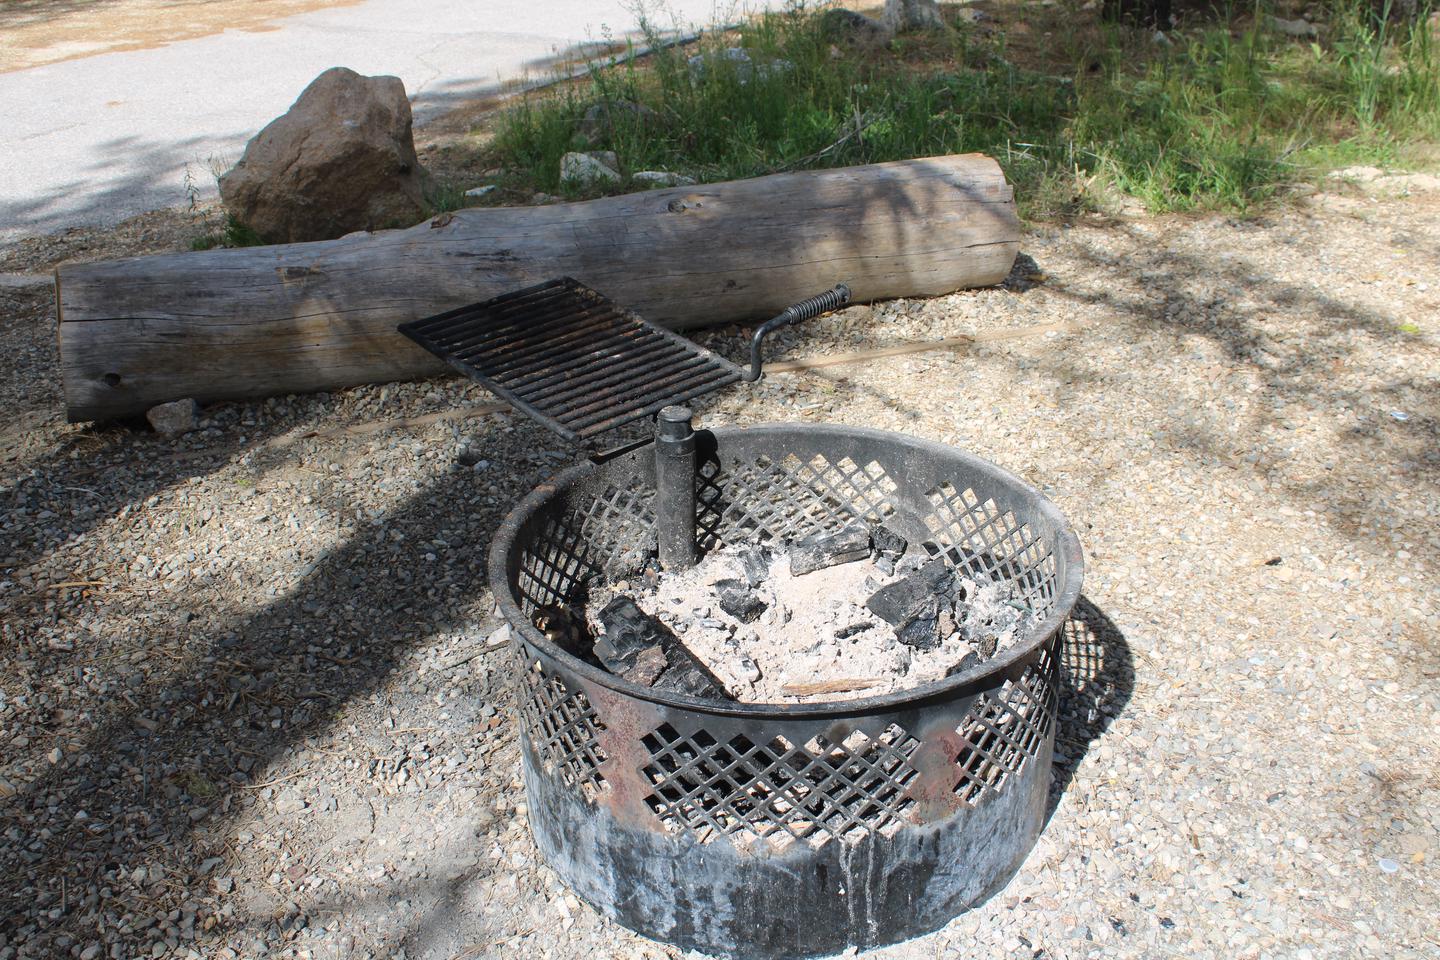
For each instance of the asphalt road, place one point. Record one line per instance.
(98, 139)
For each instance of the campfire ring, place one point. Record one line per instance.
(787, 830)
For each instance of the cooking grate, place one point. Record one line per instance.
(567, 356)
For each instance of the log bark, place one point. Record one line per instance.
(260, 321)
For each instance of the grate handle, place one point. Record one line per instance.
(832, 299)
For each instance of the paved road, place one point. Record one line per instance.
(99, 139)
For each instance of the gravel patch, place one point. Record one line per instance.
(252, 701)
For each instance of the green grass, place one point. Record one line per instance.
(1222, 117)
(230, 233)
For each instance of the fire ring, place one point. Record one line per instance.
(779, 830)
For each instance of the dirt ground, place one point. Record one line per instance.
(250, 705)
(36, 32)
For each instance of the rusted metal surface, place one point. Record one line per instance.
(565, 355)
(789, 830)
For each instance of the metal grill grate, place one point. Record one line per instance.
(565, 355)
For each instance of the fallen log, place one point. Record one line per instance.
(295, 318)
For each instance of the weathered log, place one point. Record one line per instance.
(232, 324)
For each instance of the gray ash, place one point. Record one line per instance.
(868, 615)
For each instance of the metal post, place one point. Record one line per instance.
(675, 488)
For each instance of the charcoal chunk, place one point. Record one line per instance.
(922, 633)
(627, 649)
(755, 562)
(821, 550)
(904, 600)
(739, 600)
(886, 548)
(915, 604)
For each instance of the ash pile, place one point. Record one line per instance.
(850, 614)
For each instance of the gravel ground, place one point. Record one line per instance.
(250, 705)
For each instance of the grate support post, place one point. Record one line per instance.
(675, 488)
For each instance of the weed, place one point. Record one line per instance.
(1221, 117)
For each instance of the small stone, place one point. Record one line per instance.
(476, 192)
(91, 952)
(747, 670)
(224, 885)
(55, 755)
(1302, 29)
(589, 168)
(1389, 866)
(174, 419)
(7, 789)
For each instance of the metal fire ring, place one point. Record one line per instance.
(787, 830)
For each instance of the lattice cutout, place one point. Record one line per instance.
(619, 527)
(1004, 731)
(609, 535)
(563, 728)
(777, 791)
(987, 542)
(766, 500)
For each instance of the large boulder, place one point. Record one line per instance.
(341, 159)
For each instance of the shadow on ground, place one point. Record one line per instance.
(1097, 678)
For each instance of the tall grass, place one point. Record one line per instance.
(1221, 116)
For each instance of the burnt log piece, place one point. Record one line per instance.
(302, 317)
(821, 550)
(639, 648)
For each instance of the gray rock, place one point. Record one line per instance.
(174, 419)
(589, 168)
(662, 178)
(1301, 29)
(903, 15)
(341, 159)
(480, 191)
(746, 69)
(855, 29)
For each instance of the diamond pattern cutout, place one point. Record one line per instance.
(563, 728)
(1004, 731)
(987, 542)
(779, 791)
(609, 535)
(769, 500)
